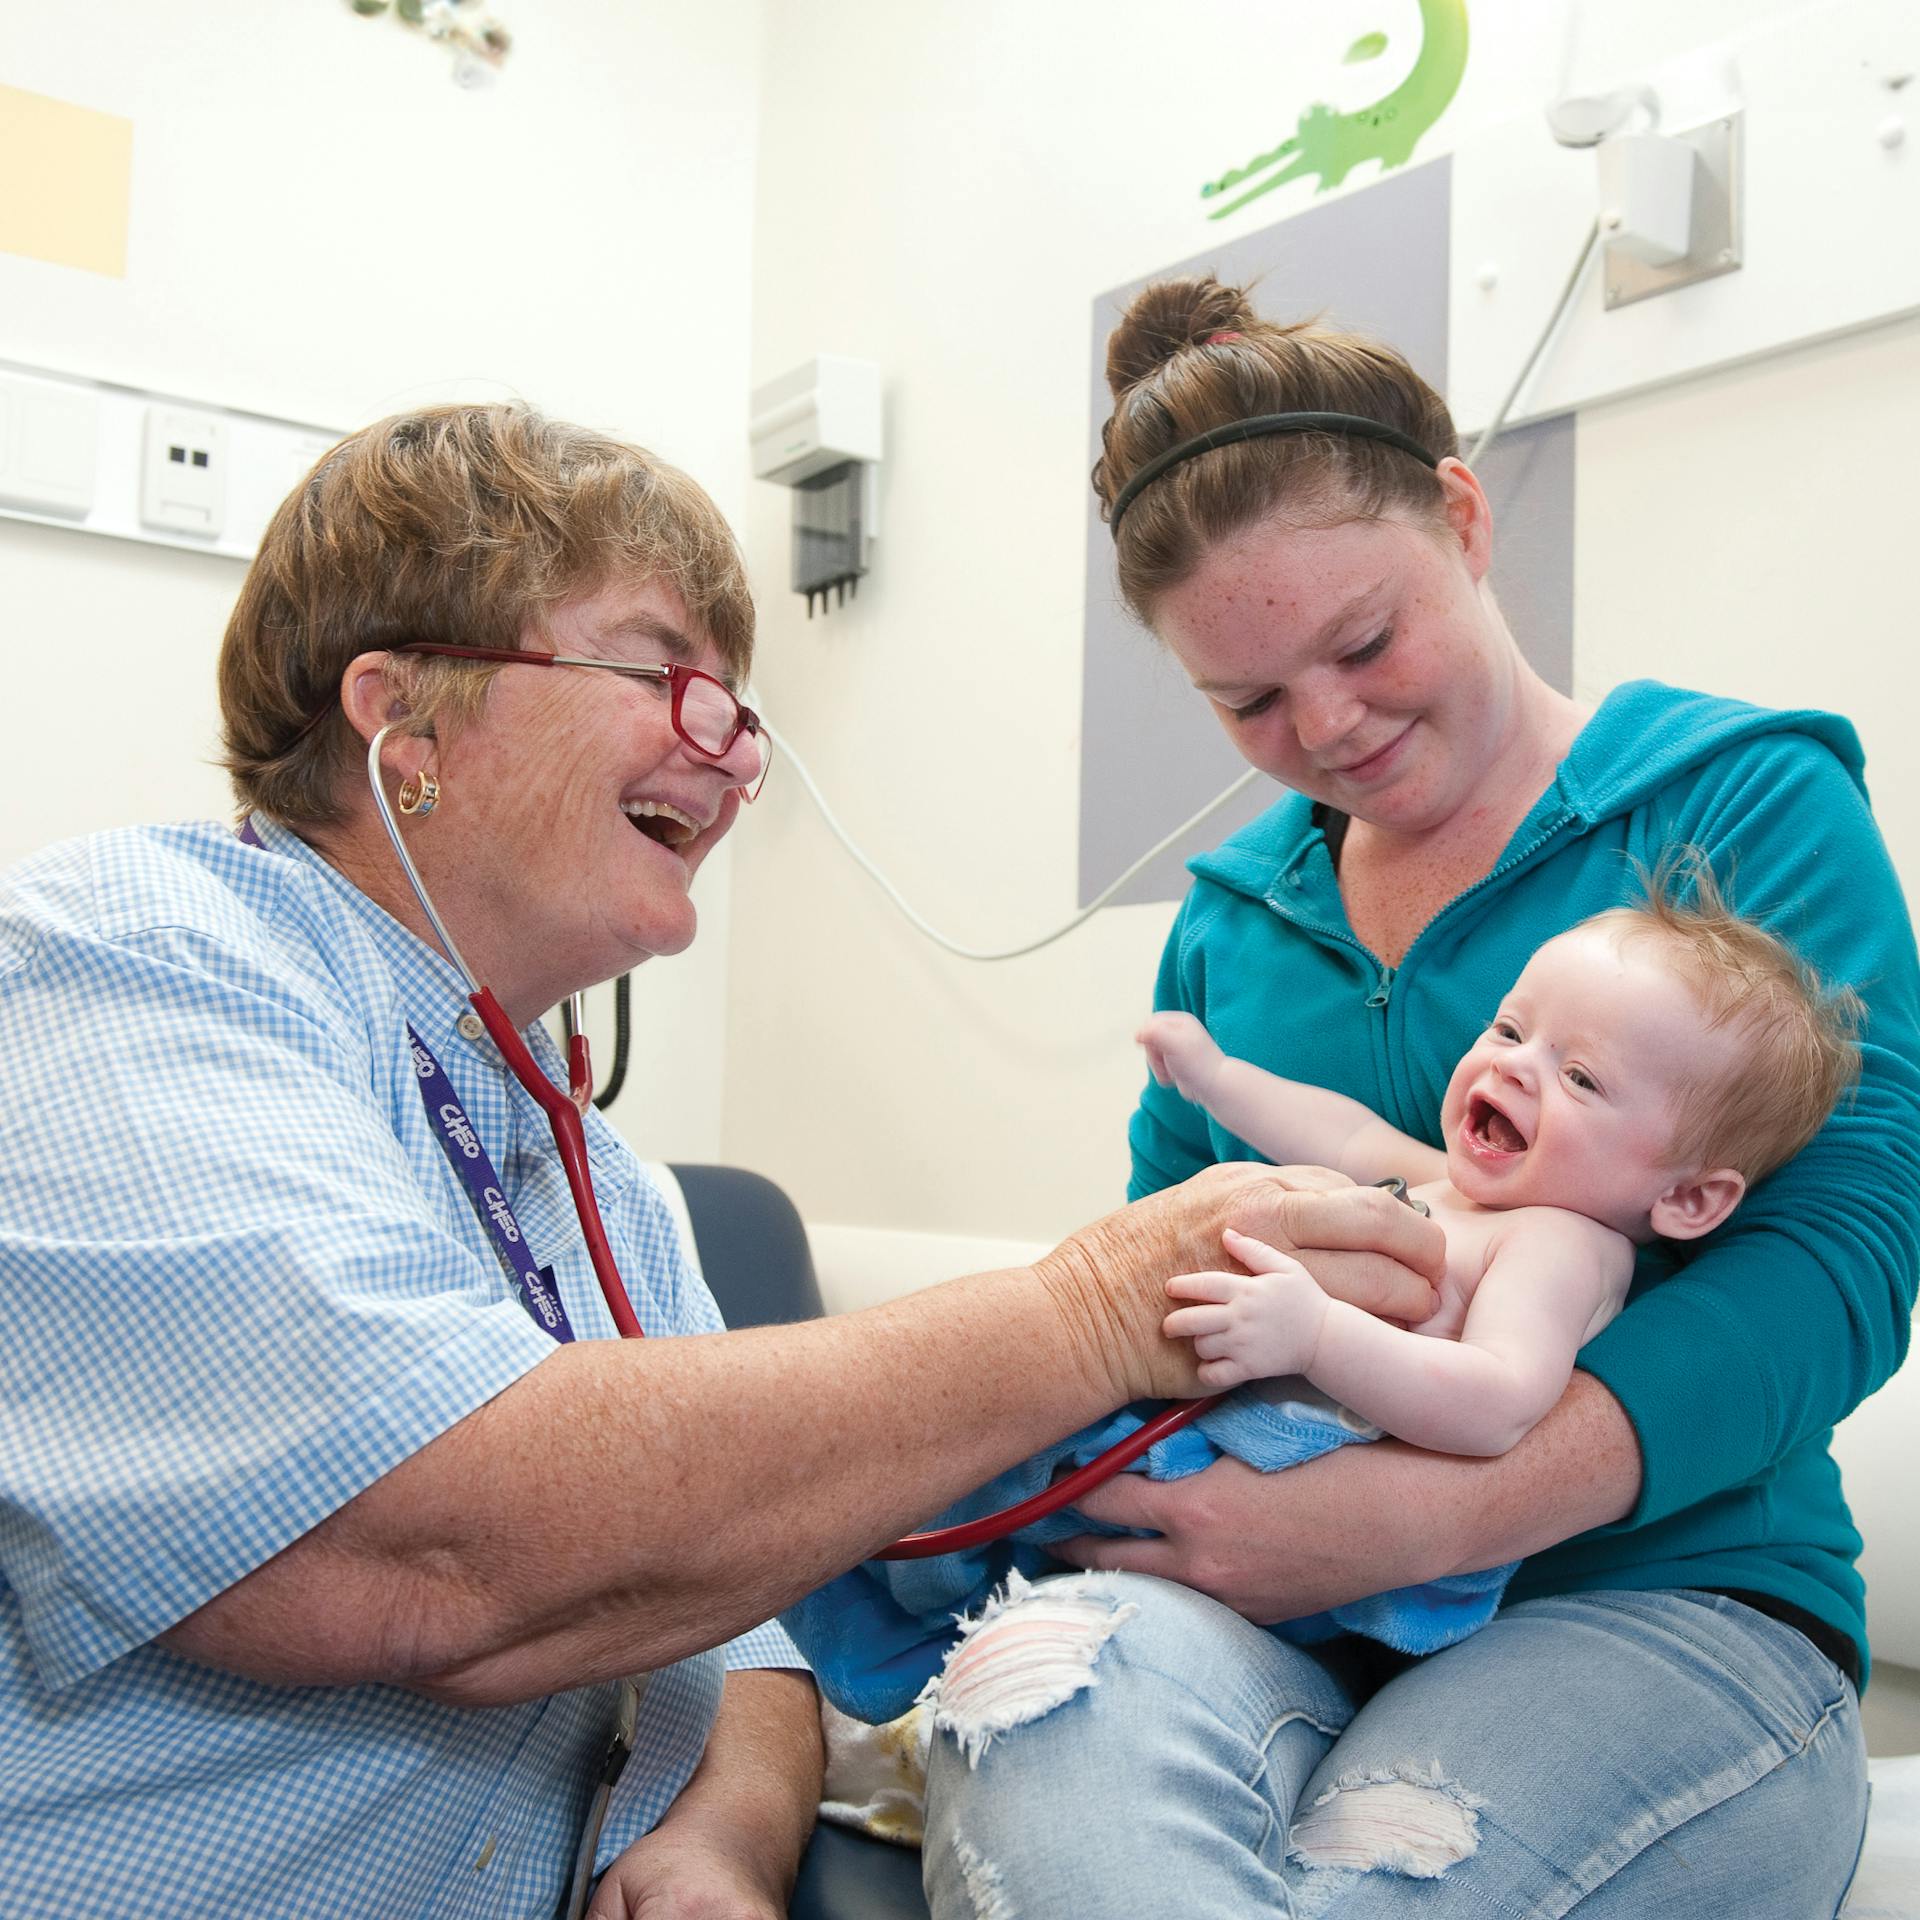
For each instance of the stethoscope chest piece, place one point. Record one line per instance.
(1398, 1188)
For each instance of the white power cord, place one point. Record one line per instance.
(1498, 422)
(1491, 432)
(1006, 953)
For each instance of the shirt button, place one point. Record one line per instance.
(470, 1027)
(486, 1852)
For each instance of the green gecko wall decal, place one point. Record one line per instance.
(1330, 145)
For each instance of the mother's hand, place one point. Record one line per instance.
(1363, 1520)
(1276, 1546)
(1110, 1279)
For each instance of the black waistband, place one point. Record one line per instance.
(1837, 1646)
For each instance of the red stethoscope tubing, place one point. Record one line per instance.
(570, 1138)
(1062, 1493)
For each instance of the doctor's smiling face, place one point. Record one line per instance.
(572, 817)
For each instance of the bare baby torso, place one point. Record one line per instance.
(1582, 1253)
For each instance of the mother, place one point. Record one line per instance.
(320, 1561)
(1663, 1718)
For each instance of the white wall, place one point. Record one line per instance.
(324, 226)
(1751, 533)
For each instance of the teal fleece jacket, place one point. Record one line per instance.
(1734, 1356)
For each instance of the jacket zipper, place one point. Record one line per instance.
(1384, 976)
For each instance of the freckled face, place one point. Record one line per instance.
(1568, 1098)
(1355, 663)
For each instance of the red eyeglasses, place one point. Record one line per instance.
(706, 716)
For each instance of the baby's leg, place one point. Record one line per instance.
(1109, 1745)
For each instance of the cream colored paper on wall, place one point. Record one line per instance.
(65, 176)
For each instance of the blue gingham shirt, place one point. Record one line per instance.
(240, 1284)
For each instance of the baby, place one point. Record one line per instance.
(1646, 1068)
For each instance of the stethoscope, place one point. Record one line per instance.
(564, 1110)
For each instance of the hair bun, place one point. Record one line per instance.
(1167, 317)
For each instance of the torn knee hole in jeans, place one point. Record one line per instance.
(1389, 1819)
(1029, 1650)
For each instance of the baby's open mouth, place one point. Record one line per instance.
(1488, 1125)
(658, 821)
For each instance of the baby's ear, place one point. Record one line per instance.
(1695, 1206)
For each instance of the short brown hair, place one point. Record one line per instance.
(1190, 354)
(1799, 1038)
(462, 524)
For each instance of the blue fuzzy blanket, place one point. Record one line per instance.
(878, 1633)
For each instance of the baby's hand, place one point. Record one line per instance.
(1250, 1326)
(1181, 1053)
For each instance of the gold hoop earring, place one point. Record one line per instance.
(419, 793)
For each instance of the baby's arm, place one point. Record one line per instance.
(1552, 1280)
(1289, 1121)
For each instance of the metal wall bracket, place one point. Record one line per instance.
(1716, 229)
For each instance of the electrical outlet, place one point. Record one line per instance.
(183, 472)
(49, 447)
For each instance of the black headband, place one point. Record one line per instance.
(1257, 428)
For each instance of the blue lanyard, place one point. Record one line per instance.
(474, 1170)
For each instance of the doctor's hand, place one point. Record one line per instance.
(664, 1877)
(1109, 1279)
(728, 1847)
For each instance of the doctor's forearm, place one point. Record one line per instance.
(628, 1503)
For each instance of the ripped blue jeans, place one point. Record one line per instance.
(1114, 1745)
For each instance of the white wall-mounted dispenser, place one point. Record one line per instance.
(1670, 203)
(818, 431)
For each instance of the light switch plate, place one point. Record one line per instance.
(49, 447)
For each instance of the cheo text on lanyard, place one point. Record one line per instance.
(473, 1168)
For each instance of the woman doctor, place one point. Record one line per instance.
(322, 1559)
